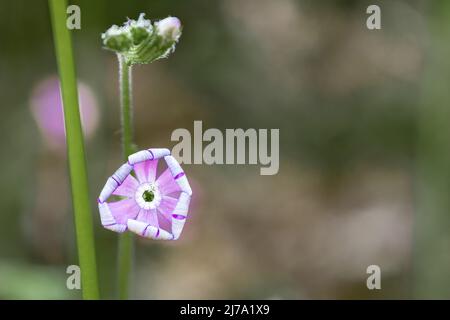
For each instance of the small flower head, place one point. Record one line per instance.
(150, 207)
(140, 41)
(139, 30)
(116, 39)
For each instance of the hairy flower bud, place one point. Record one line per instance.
(140, 41)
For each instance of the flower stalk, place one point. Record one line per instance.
(75, 149)
(135, 42)
(125, 250)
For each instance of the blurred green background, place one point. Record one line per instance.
(364, 149)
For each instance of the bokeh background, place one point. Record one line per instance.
(364, 149)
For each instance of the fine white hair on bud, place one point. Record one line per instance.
(116, 38)
(169, 28)
(142, 22)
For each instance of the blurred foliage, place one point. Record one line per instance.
(21, 281)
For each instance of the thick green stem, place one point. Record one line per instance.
(75, 149)
(126, 239)
(432, 222)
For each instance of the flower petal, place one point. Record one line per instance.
(127, 188)
(167, 183)
(107, 219)
(123, 210)
(145, 230)
(178, 174)
(167, 206)
(146, 170)
(149, 217)
(179, 214)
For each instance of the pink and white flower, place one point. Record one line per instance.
(151, 207)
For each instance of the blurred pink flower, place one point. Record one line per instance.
(150, 207)
(47, 109)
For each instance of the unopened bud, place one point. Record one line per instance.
(169, 28)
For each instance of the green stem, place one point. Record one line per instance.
(75, 149)
(432, 223)
(125, 249)
(126, 107)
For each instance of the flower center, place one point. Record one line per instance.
(148, 196)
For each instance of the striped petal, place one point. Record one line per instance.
(167, 183)
(146, 170)
(167, 206)
(149, 217)
(127, 188)
(123, 210)
(145, 230)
